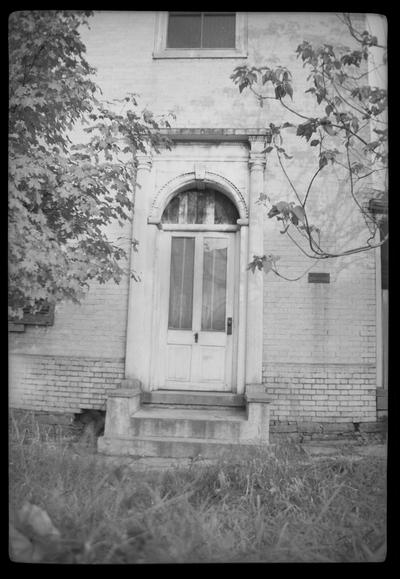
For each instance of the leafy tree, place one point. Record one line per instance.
(350, 131)
(64, 193)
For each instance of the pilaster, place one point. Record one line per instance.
(254, 338)
(138, 333)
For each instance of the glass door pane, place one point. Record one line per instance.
(181, 283)
(215, 255)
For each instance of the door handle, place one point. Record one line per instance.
(229, 326)
(196, 337)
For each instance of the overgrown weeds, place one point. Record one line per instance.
(267, 505)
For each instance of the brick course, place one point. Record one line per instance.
(337, 401)
(36, 382)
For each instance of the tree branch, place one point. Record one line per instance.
(288, 178)
(295, 278)
(310, 185)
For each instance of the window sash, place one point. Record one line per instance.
(43, 317)
(203, 44)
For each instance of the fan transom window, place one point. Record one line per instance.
(200, 207)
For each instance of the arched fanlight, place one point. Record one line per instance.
(200, 207)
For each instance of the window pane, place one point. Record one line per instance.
(214, 284)
(224, 210)
(171, 212)
(218, 31)
(181, 283)
(184, 30)
(200, 207)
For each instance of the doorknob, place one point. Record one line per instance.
(196, 337)
(229, 326)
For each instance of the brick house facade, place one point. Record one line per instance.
(314, 346)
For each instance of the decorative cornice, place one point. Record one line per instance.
(257, 138)
(212, 134)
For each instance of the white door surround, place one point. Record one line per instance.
(144, 339)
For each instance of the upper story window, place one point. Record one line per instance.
(201, 30)
(200, 35)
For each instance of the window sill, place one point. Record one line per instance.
(199, 53)
(13, 327)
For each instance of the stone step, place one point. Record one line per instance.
(216, 423)
(168, 447)
(194, 398)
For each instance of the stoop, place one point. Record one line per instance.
(183, 424)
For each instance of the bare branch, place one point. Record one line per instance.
(288, 178)
(294, 278)
(295, 112)
(310, 185)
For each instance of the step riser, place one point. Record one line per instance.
(207, 429)
(190, 406)
(165, 449)
(196, 399)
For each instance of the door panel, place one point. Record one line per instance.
(212, 363)
(198, 349)
(179, 355)
(179, 362)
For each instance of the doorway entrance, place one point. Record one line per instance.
(197, 282)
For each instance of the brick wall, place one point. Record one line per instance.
(199, 90)
(62, 383)
(319, 353)
(316, 393)
(96, 328)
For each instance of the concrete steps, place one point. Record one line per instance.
(214, 423)
(182, 424)
(194, 399)
(172, 447)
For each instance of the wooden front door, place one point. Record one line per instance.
(198, 351)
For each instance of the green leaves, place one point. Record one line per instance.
(327, 155)
(280, 79)
(63, 195)
(307, 129)
(347, 112)
(352, 58)
(288, 212)
(264, 262)
(298, 214)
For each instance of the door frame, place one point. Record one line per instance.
(161, 298)
(142, 329)
(229, 233)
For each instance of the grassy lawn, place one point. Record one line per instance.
(270, 505)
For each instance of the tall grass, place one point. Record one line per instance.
(266, 505)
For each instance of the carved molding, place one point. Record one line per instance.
(144, 162)
(257, 159)
(185, 180)
(200, 176)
